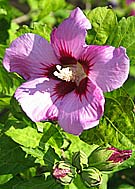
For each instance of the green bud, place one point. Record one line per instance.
(64, 172)
(105, 159)
(80, 160)
(91, 177)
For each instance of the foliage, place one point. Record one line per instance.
(30, 150)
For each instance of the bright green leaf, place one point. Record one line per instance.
(124, 35)
(51, 135)
(27, 137)
(76, 144)
(5, 178)
(103, 22)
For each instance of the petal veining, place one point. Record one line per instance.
(30, 56)
(77, 114)
(108, 66)
(69, 38)
(35, 99)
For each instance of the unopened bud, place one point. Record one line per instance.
(91, 177)
(64, 172)
(107, 158)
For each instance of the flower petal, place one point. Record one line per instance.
(68, 40)
(30, 56)
(108, 66)
(34, 97)
(77, 113)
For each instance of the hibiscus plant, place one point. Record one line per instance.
(67, 117)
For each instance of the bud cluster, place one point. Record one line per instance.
(90, 168)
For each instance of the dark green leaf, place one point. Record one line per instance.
(39, 183)
(12, 158)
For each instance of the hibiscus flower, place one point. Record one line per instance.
(66, 78)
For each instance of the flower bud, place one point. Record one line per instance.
(91, 177)
(107, 158)
(80, 160)
(64, 172)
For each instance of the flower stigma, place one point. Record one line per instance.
(74, 73)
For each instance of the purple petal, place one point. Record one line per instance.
(108, 66)
(119, 156)
(30, 56)
(34, 97)
(77, 113)
(68, 40)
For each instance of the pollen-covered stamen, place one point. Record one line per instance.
(65, 74)
(74, 73)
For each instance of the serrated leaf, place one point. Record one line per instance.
(36, 153)
(124, 35)
(117, 127)
(103, 22)
(76, 144)
(51, 135)
(27, 137)
(12, 158)
(36, 28)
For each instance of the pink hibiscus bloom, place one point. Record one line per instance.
(67, 78)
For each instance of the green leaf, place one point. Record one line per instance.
(36, 28)
(38, 182)
(11, 183)
(50, 6)
(124, 35)
(129, 85)
(76, 144)
(51, 135)
(36, 153)
(28, 137)
(46, 158)
(2, 50)
(126, 186)
(103, 22)
(4, 108)
(5, 178)
(117, 125)
(50, 158)
(77, 184)
(4, 26)
(8, 81)
(12, 158)
(104, 181)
